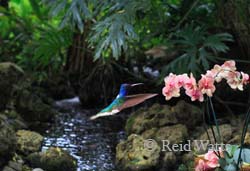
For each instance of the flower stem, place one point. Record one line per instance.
(246, 123)
(215, 119)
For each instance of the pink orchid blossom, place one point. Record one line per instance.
(234, 81)
(181, 80)
(202, 166)
(229, 65)
(209, 161)
(206, 85)
(190, 83)
(245, 78)
(212, 159)
(195, 94)
(216, 73)
(171, 88)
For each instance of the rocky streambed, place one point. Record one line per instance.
(34, 136)
(92, 143)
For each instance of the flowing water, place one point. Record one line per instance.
(92, 143)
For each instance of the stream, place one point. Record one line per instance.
(91, 143)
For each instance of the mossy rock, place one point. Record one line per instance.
(7, 141)
(54, 159)
(28, 141)
(158, 116)
(32, 108)
(145, 119)
(14, 119)
(187, 114)
(10, 76)
(132, 156)
(174, 134)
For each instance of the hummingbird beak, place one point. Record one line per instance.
(132, 85)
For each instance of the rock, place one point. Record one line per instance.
(54, 159)
(6, 168)
(237, 139)
(28, 141)
(226, 135)
(7, 141)
(132, 156)
(247, 139)
(186, 158)
(32, 108)
(59, 87)
(174, 134)
(15, 165)
(10, 75)
(162, 115)
(26, 168)
(149, 134)
(169, 160)
(37, 169)
(187, 114)
(153, 117)
(16, 90)
(225, 131)
(15, 120)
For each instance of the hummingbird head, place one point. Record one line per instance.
(125, 87)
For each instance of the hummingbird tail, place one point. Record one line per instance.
(94, 117)
(102, 114)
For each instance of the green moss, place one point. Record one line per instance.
(26, 168)
(28, 141)
(54, 159)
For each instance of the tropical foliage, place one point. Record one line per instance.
(37, 34)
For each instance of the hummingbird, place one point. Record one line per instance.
(123, 101)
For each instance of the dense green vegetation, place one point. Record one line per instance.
(90, 40)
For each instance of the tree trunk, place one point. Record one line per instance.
(79, 61)
(79, 58)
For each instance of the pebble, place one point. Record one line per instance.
(37, 169)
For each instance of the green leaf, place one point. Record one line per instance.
(230, 149)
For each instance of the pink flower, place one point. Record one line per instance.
(245, 78)
(208, 162)
(190, 83)
(227, 71)
(212, 159)
(229, 66)
(181, 80)
(206, 85)
(202, 166)
(195, 94)
(169, 92)
(216, 73)
(171, 88)
(234, 81)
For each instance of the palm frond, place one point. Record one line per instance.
(199, 49)
(50, 47)
(73, 12)
(117, 30)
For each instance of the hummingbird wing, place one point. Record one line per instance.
(123, 103)
(134, 100)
